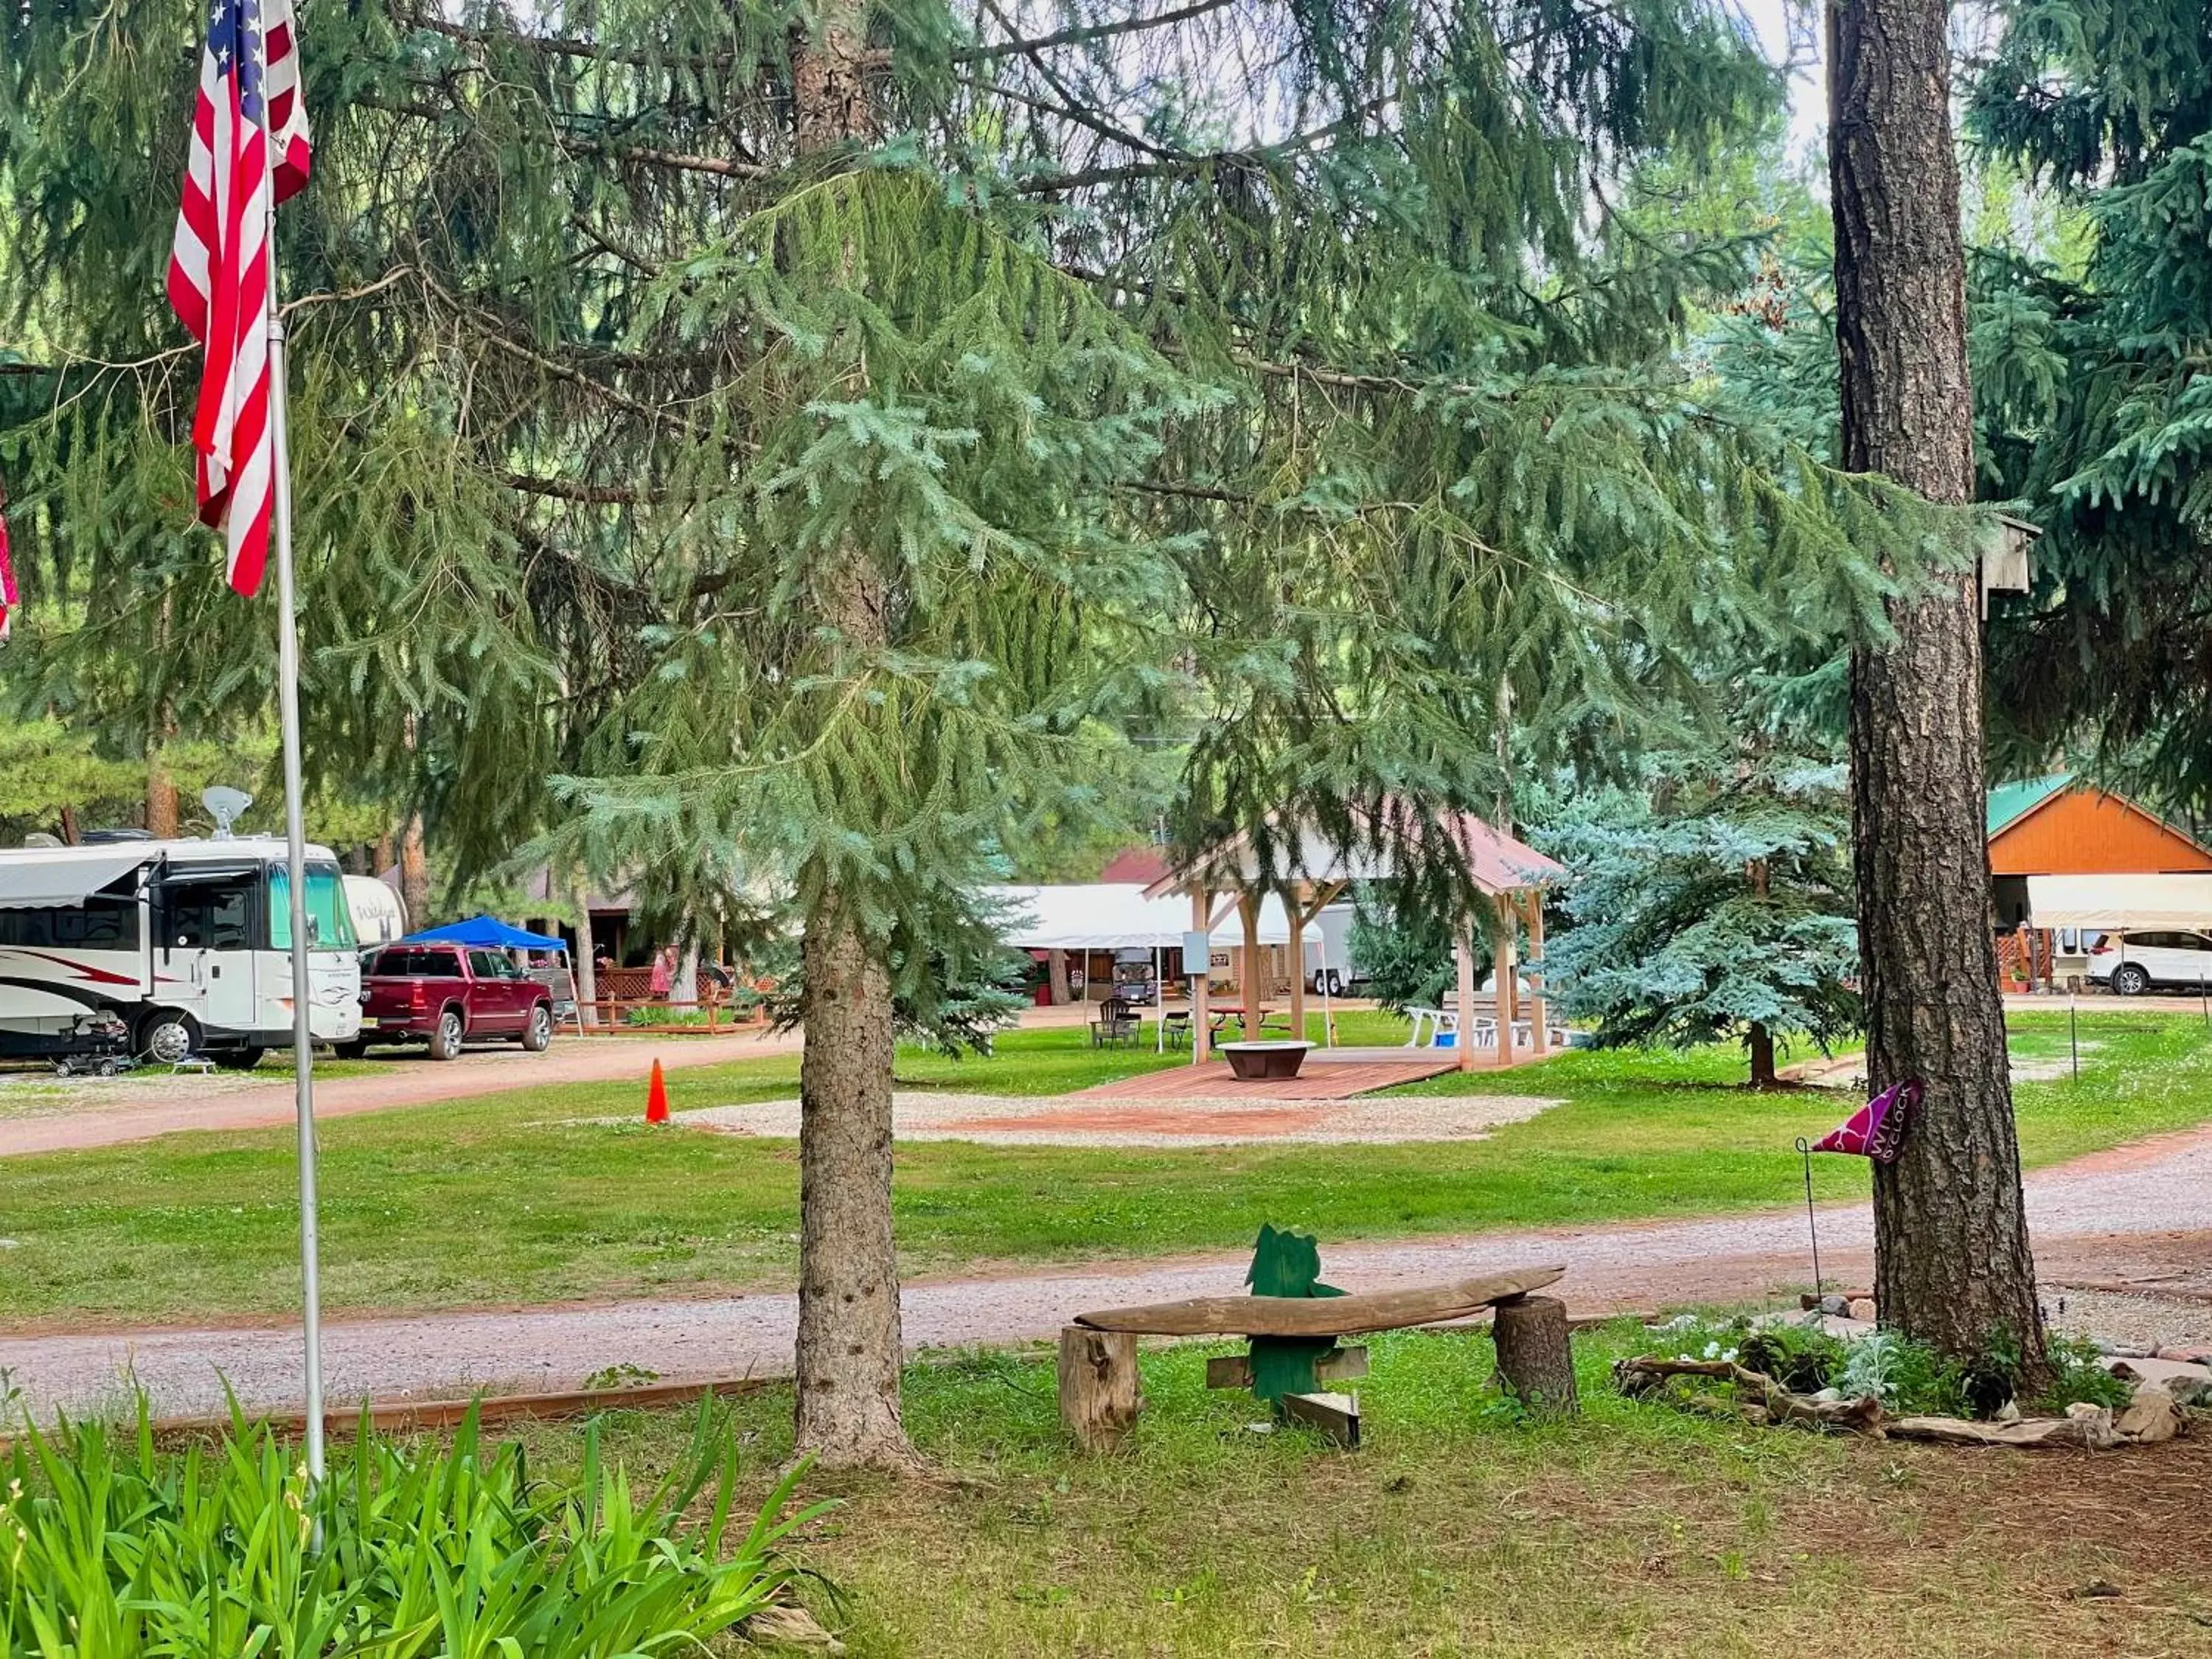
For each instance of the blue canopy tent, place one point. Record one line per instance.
(485, 933)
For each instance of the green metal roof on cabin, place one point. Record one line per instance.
(2011, 802)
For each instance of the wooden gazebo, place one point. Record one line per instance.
(1511, 876)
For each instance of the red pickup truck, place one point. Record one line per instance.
(444, 994)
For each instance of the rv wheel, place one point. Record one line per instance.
(165, 1036)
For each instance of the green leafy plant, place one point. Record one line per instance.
(114, 1549)
(2079, 1377)
(1870, 1368)
(1800, 1358)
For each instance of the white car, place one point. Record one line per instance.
(2134, 963)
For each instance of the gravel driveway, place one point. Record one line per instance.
(2134, 1209)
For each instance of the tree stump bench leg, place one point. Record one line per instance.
(1535, 1359)
(1100, 1390)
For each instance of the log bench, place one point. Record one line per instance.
(1294, 1322)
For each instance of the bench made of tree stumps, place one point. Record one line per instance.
(1293, 1322)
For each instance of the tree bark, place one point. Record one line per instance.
(1534, 1357)
(1100, 1392)
(1951, 1265)
(849, 1339)
(160, 798)
(414, 873)
(1761, 1044)
(587, 960)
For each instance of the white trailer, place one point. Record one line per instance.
(168, 948)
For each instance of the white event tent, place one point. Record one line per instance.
(2120, 901)
(1117, 917)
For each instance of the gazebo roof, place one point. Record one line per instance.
(1495, 862)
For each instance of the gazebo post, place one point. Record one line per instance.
(1201, 921)
(1509, 972)
(1248, 981)
(1464, 1041)
(1539, 1024)
(1297, 908)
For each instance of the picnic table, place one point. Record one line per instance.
(1219, 1014)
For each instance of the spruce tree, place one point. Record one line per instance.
(763, 442)
(1713, 903)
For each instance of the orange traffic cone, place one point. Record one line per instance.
(656, 1097)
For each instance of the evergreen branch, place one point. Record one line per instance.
(1197, 160)
(492, 335)
(1070, 106)
(568, 47)
(664, 158)
(587, 494)
(1084, 35)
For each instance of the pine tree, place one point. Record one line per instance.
(760, 442)
(1712, 904)
(1951, 1265)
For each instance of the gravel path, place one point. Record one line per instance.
(2128, 1212)
(1076, 1121)
(113, 1112)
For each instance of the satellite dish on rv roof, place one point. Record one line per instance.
(223, 805)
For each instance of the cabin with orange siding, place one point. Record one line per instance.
(2054, 826)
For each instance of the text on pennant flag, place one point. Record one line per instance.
(219, 267)
(1877, 1129)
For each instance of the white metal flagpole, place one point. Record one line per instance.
(296, 839)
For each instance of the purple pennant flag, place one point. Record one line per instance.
(1877, 1129)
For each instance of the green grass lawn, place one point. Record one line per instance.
(1460, 1529)
(515, 1198)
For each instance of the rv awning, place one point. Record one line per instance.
(2177, 900)
(1115, 916)
(64, 875)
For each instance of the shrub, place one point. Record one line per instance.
(112, 1549)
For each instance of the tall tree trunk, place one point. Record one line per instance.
(161, 798)
(1951, 1265)
(587, 961)
(1760, 1041)
(413, 873)
(849, 1341)
(160, 788)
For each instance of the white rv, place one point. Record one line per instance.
(168, 948)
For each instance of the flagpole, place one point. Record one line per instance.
(296, 839)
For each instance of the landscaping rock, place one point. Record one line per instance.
(2166, 1373)
(2189, 1390)
(781, 1626)
(1862, 1309)
(1840, 1306)
(2187, 1355)
(2150, 1417)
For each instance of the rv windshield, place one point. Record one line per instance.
(329, 924)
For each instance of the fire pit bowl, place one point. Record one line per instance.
(1255, 1062)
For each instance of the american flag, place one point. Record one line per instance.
(219, 270)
